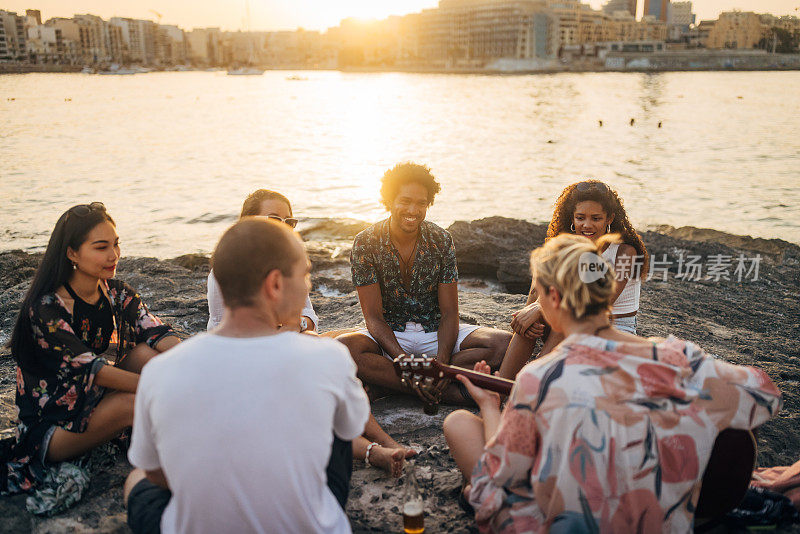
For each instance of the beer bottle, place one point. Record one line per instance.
(413, 510)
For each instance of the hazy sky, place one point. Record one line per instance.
(309, 14)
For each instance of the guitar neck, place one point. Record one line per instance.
(492, 383)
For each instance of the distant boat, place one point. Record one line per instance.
(246, 71)
(87, 70)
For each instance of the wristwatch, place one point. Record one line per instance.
(303, 324)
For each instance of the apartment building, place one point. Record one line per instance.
(472, 32)
(736, 29)
(45, 44)
(98, 41)
(679, 20)
(12, 37)
(140, 38)
(621, 26)
(205, 46)
(171, 45)
(578, 23)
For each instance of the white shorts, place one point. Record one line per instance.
(415, 340)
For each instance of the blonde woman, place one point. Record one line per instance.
(609, 432)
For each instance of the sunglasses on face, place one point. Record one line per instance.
(82, 210)
(290, 221)
(587, 186)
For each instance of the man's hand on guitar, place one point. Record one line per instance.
(422, 384)
(430, 392)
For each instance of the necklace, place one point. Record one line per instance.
(404, 262)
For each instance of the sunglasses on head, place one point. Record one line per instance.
(82, 210)
(587, 186)
(290, 221)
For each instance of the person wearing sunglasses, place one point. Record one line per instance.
(376, 447)
(80, 341)
(270, 205)
(593, 210)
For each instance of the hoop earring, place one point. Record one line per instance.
(572, 227)
(608, 230)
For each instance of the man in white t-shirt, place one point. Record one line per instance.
(233, 431)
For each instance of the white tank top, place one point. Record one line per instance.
(628, 300)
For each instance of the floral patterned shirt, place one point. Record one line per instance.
(375, 260)
(62, 392)
(601, 436)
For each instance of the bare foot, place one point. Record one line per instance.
(392, 444)
(390, 460)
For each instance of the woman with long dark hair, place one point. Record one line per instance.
(593, 210)
(80, 342)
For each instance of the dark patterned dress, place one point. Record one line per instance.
(70, 350)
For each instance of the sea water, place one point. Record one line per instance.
(173, 154)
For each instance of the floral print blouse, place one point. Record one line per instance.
(375, 260)
(600, 436)
(69, 348)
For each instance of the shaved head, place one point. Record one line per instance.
(247, 252)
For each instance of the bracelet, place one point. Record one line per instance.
(369, 449)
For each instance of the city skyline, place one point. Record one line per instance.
(272, 15)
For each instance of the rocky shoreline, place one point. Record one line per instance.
(754, 322)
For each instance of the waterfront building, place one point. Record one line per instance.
(612, 6)
(12, 37)
(736, 29)
(679, 20)
(700, 33)
(681, 13)
(45, 45)
(172, 46)
(471, 33)
(140, 37)
(578, 23)
(97, 40)
(657, 9)
(377, 43)
(242, 48)
(622, 27)
(205, 46)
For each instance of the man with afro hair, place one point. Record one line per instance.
(404, 269)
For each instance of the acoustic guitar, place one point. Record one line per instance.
(727, 475)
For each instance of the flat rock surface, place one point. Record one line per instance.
(748, 322)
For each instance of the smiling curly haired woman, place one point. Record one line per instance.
(593, 210)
